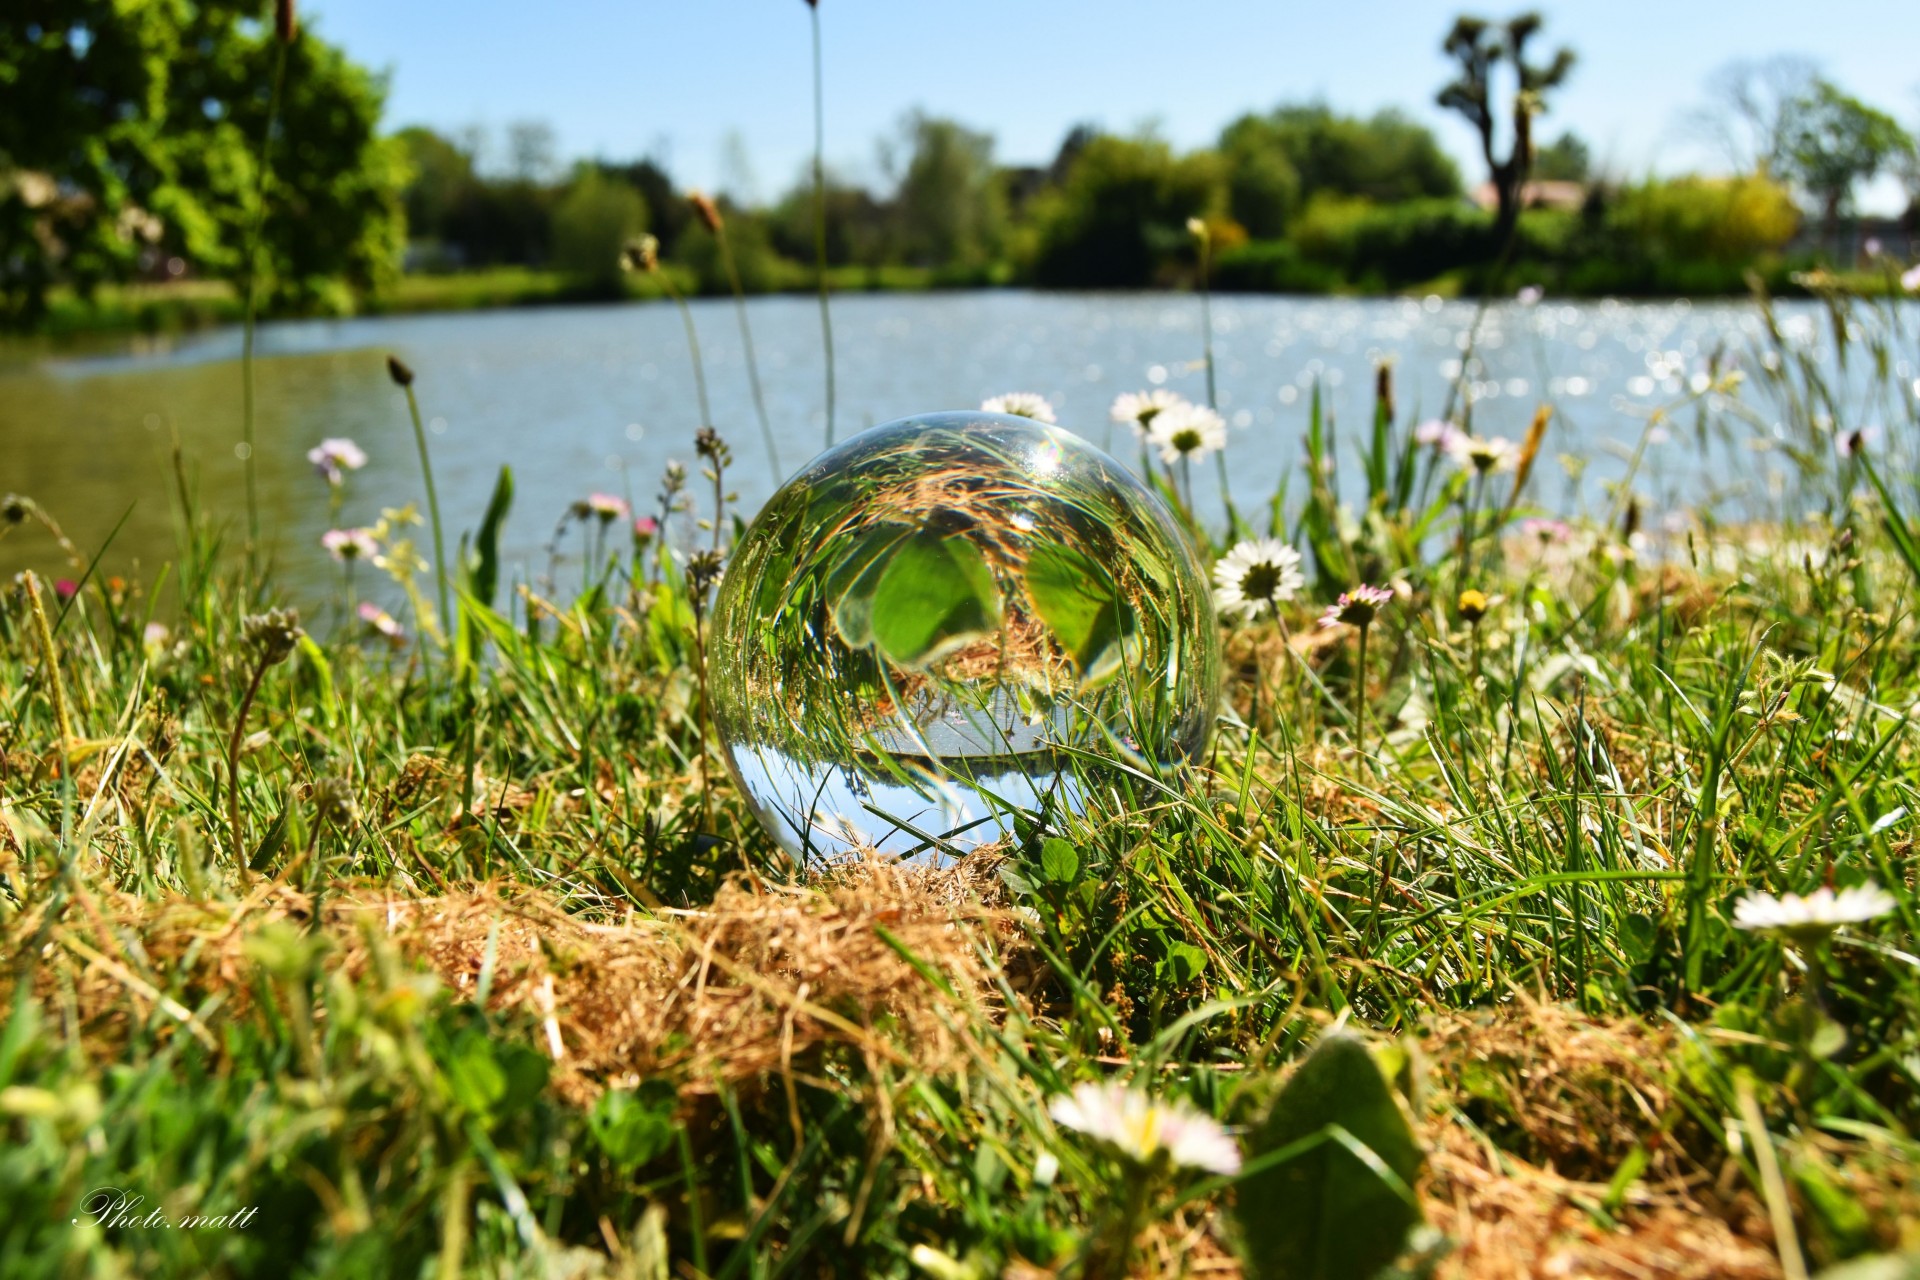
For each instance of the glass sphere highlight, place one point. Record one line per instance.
(949, 618)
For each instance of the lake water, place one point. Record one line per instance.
(600, 398)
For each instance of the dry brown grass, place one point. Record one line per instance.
(763, 987)
(758, 986)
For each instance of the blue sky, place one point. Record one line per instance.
(681, 79)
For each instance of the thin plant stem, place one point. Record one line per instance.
(433, 506)
(234, 739)
(693, 347)
(1206, 323)
(1360, 695)
(746, 343)
(820, 212)
(251, 301)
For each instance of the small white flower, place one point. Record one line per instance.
(1046, 1167)
(1256, 576)
(1437, 434)
(1496, 453)
(335, 455)
(1816, 914)
(1530, 295)
(1137, 409)
(350, 544)
(1144, 1130)
(1187, 432)
(1021, 404)
(1910, 279)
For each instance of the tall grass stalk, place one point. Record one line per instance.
(402, 377)
(820, 208)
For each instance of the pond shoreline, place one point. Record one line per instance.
(192, 306)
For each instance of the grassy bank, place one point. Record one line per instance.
(151, 308)
(453, 950)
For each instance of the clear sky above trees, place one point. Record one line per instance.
(618, 78)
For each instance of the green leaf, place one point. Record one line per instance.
(1325, 1214)
(1078, 600)
(1185, 962)
(632, 1127)
(933, 592)
(1639, 937)
(851, 584)
(1059, 864)
(271, 843)
(485, 575)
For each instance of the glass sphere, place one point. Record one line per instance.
(948, 618)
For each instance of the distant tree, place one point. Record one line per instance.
(1750, 108)
(1834, 142)
(1566, 159)
(1263, 187)
(1070, 148)
(1122, 211)
(441, 177)
(668, 213)
(858, 224)
(592, 221)
(949, 208)
(1275, 162)
(131, 135)
(1480, 46)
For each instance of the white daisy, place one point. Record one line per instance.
(1145, 1131)
(1495, 453)
(1187, 432)
(1021, 404)
(1138, 409)
(1255, 576)
(1817, 914)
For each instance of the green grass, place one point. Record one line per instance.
(330, 989)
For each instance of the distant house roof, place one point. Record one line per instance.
(1542, 194)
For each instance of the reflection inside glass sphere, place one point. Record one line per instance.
(949, 618)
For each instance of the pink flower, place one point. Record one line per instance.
(382, 622)
(66, 588)
(1356, 607)
(645, 529)
(1547, 530)
(1530, 295)
(335, 455)
(1436, 434)
(606, 506)
(1855, 442)
(350, 544)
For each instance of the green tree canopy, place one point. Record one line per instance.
(1122, 210)
(950, 208)
(1834, 141)
(133, 135)
(595, 217)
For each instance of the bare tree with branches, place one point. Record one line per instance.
(1480, 46)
